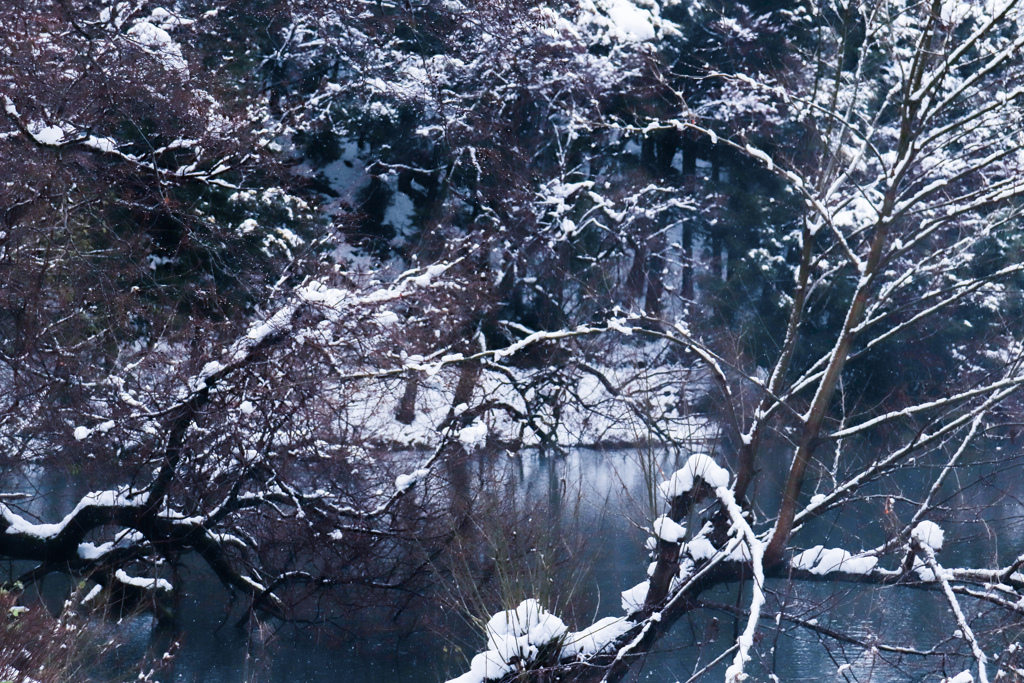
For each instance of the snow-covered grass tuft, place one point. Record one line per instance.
(516, 637)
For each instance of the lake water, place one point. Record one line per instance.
(614, 502)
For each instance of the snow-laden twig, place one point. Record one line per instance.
(920, 441)
(963, 291)
(813, 625)
(940, 575)
(710, 665)
(55, 137)
(950, 62)
(925, 505)
(735, 673)
(931, 405)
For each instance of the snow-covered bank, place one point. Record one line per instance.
(583, 411)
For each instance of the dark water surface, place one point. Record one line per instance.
(608, 494)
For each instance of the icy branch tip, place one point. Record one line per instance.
(699, 466)
(929, 534)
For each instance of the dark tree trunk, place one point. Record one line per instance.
(407, 407)
(689, 157)
(687, 289)
(689, 147)
(457, 459)
(635, 279)
(655, 278)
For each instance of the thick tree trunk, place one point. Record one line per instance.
(689, 148)
(655, 279)
(717, 244)
(407, 406)
(717, 239)
(635, 279)
(457, 458)
(689, 157)
(687, 288)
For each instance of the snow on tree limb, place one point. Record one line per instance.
(756, 548)
(928, 541)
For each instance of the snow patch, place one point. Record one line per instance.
(140, 582)
(700, 548)
(106, 145)
(634, 22)
(158, 43)
(962, 677)
(758, 154)
(92, 594)
(47, 135)
(485, 666)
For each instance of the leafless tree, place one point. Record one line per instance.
(917, 172)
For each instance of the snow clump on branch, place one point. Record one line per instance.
(962, 677)
(928, 534)
(595, 638)
(699, 466)
(519, 633)
(633, 599)
(158, 42)
(821, 560)
(404, 482)
(668, 530)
